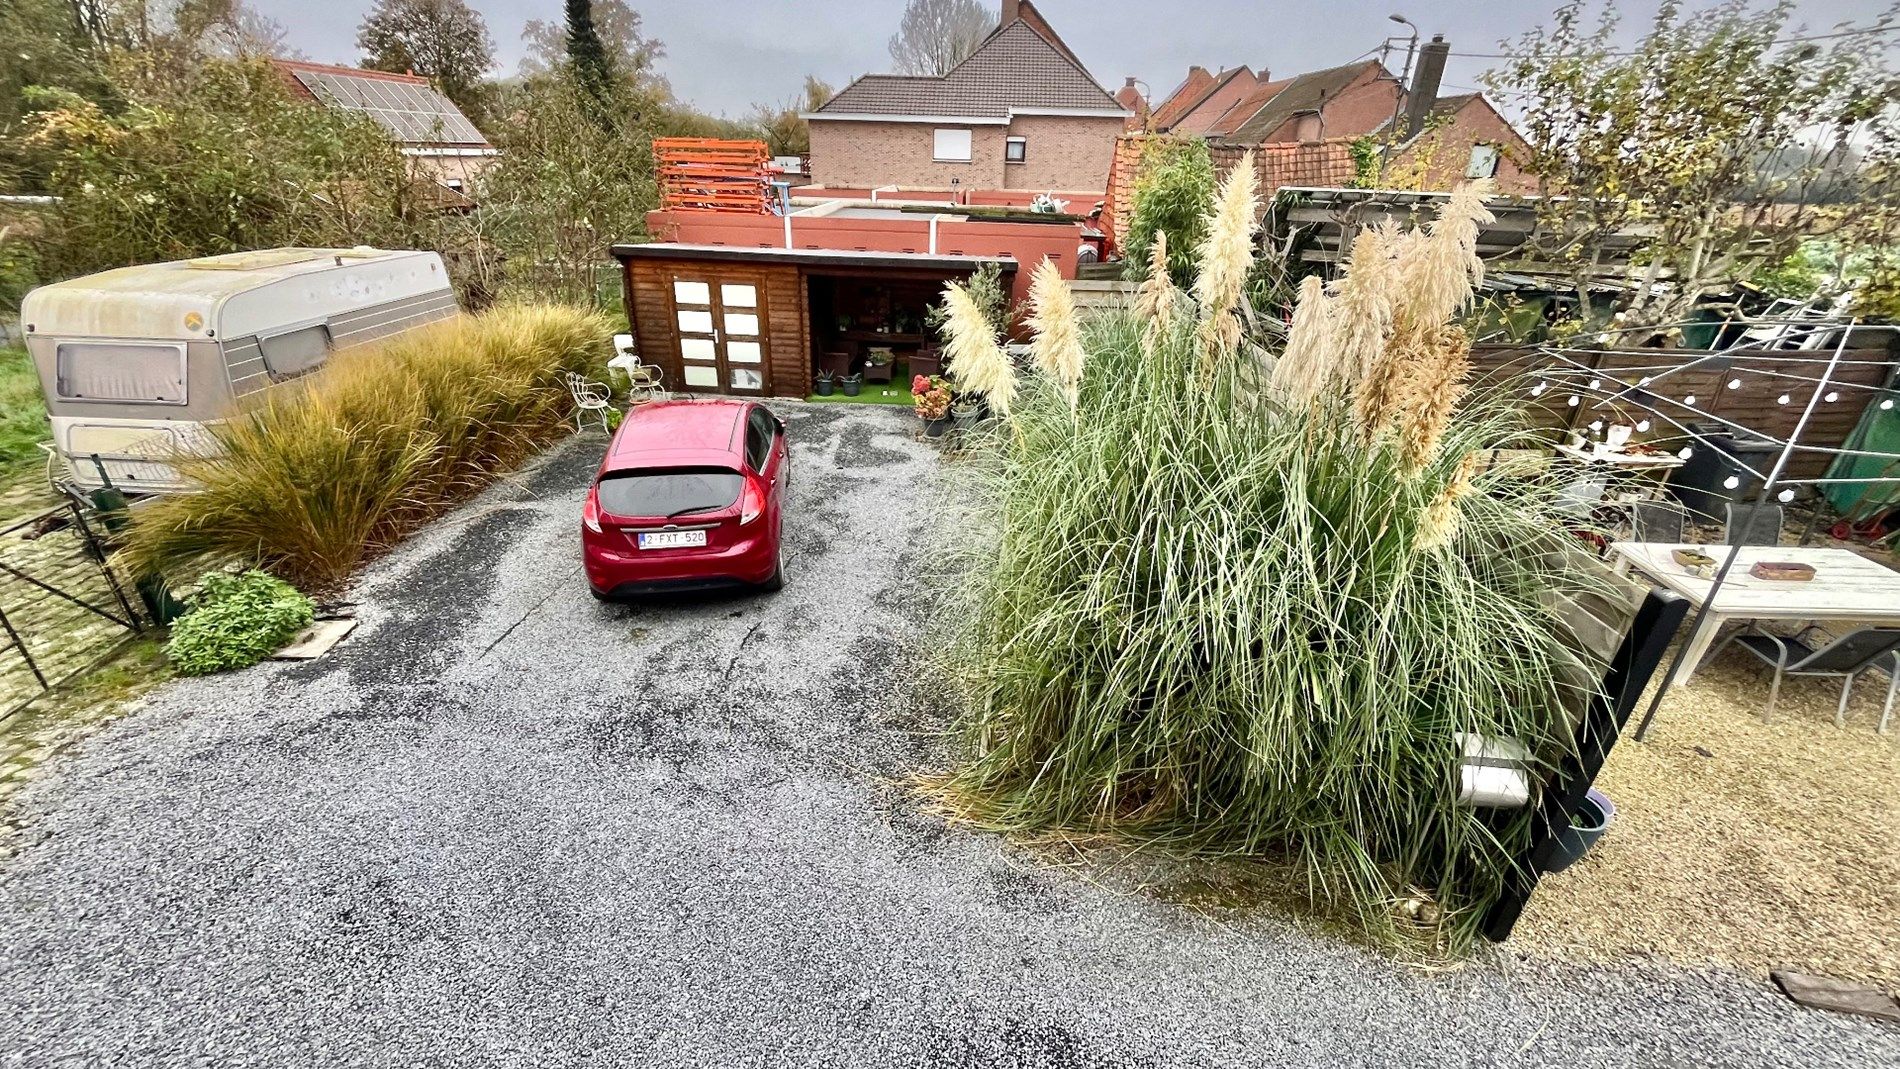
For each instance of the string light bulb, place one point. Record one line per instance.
(1689, 400)
(1732, 482)
(1785, 496)
(1735, 384)
(1642, 425)
(1782, 400)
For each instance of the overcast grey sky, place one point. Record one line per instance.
(725, 55)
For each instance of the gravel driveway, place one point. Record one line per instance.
(503, 825)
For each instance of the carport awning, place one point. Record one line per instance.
(663, 250)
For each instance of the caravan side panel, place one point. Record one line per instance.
(245, 356)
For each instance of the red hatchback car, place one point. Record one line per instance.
(690, 496)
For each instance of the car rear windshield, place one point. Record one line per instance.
(668, 493)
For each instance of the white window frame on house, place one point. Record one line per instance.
(1015, 150)
(950, 145)
(1483, 162)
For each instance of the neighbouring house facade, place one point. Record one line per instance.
(1303, 130)
(426, 125)
(1020, 112)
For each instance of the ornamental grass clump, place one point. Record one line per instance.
(381, 440)
(1217, 613)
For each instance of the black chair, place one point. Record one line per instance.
(1657, 521)
(1845, 657)
(1752, 525)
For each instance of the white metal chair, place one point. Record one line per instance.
(590, 397)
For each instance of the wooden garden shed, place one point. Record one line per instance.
(735, 320)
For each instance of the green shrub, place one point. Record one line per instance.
(22, 414)
(236, 622)
(1173, 189)
(382, 440)
(1226, 613)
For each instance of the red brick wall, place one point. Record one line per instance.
(847, 153)
(1437, 160)
(1062, 152)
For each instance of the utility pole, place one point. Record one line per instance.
(1398, 98)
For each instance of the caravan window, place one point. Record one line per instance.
(291, 354)
(151, 372)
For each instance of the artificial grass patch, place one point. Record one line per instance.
(871, 395)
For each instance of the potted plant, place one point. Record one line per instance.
(931, 395)
(851, 384)
(966, 409)
(879, 361)
(824, 382)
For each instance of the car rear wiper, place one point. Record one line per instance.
(695, 508)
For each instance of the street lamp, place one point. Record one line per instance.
(1398, 98)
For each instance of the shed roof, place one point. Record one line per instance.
(1015, 68)
(670, 250)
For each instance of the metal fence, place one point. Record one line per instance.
(62, 608)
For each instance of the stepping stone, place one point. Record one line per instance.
(315, 641)
(1840, 996)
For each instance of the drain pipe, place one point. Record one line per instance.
(788, 231)
(884, 189)
(933, 234)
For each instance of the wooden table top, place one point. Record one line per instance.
(1846, 585)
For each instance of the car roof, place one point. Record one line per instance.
(670, 434)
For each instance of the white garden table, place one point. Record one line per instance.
(1846, 587)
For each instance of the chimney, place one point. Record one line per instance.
(1012, 10)
(1424, 92)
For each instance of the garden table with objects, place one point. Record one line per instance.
(1846, 587)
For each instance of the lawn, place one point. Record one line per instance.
(873, 394)
(22, 415)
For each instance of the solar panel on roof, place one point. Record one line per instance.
(410, 112)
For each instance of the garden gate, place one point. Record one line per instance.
(62, 609)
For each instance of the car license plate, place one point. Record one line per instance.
(671, 539)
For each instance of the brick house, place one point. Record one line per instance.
(1020, 112)
(1303, 129)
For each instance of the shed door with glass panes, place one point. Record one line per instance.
(721, 334)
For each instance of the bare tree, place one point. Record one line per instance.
(441, 39)
(935, 35)
(618, 26)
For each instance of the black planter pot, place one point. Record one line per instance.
(852, 384)
(823, 387)
(936, 428)
(966, 418)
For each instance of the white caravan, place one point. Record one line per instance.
(136, 362)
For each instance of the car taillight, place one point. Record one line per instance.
(751, 503)
(590, 512)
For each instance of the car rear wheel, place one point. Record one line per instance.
(777, 582)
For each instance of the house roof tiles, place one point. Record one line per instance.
(1015, 68)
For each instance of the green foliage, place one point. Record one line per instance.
(22, 414)
(1204, 622)
(19, 270)
(1365, 162)
(1172, 191)
(214, 157)
(382, 440)
(593, 67)
(985, 287)
(445, 41)
(1723, 133)
(236, 622)
(1829, 268)
(573, 178)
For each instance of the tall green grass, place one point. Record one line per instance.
(1204, 620)
(383, 439)
(22, 415)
